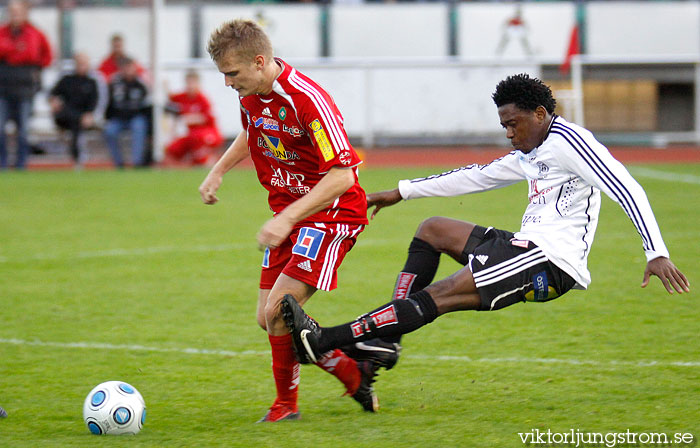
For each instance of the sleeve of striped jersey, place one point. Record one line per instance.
(323, 122)
(593, 162)
(467, 179)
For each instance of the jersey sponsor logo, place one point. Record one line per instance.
(541, 289)
(536, 196)
(345, 158)
(267, 112)
(263, 144)
(403, 285)
(268, 124)
(305, 265)
(540, 284)
(293, 130)
(266, 258)
(309, 243)
(275, 145)
(282, 113)
(322, 140)
(482, 258)
(294, 182)
(289, 156)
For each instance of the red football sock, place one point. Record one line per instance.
(285, 369)
(342, 367)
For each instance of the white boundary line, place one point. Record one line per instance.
(130, 348)
(664, 175)
(467, 359)
(120, 252)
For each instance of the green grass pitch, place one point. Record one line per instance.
(133, 261)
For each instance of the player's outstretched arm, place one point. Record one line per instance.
(382, 199)
(233, 155)
(668, 273)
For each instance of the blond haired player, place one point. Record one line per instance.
(294, 134)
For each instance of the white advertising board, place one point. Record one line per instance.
(393, 30)
(643, 29)
(294, 30)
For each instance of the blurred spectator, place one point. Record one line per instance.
(194, 109)
(73, 101)
(24, 51)
(110, 65)
(128, 108)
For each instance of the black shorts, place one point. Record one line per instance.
(507, 270)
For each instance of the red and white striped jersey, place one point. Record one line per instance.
(295, 136)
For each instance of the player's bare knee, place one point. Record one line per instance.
(272, 313)
(442, 288)
(431, 231)
(262, 321)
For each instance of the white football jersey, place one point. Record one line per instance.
(565, 175)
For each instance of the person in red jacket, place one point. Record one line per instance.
(24, 51)
(203, 136)
(115, 59)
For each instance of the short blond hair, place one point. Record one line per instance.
(244, 37)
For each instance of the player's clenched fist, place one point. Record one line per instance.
(208, 189)
(273, 232)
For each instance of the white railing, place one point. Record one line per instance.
(578, 63)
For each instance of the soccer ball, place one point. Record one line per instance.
(114, 407)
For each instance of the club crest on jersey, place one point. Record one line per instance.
(309, 243)
(543, 169)
(282, 113)
(345, 158)
(267, 124)
(322, 140)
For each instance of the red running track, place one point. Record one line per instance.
(442, 157)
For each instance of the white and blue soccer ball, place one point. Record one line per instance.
(114, 407)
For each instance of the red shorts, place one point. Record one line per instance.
(311, 254)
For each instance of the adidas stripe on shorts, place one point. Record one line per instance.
(507, 270)
(312, 254)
